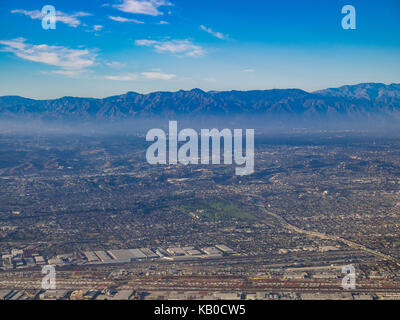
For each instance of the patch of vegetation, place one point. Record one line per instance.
(216, 211)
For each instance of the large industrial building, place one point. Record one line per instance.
(171, 253)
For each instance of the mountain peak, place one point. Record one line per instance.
(197, 90)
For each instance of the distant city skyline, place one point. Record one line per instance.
(105, 48)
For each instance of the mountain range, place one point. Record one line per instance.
(367, 100)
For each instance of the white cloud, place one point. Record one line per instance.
(69, 19)
(218, 35)
(97, 27)
(129, 77)
(148, 7)
(157, 75)
(163, 22)
(248, 70)
(173, 46)
(69, 60)
(115, 64)
(67, 73)
(122, 19)
(151, 75)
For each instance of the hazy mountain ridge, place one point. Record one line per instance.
(366, 99)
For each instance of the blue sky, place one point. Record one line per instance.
(101, 48)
